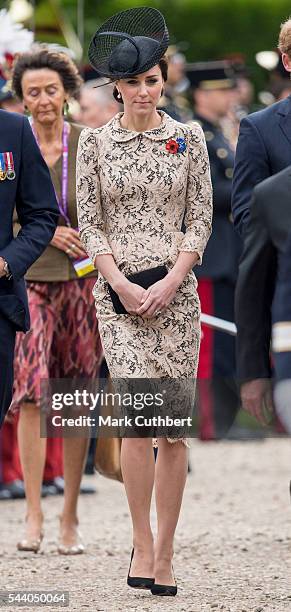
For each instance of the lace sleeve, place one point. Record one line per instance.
(89, 202)
(198, 216)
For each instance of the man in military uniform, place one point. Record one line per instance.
(173, 101)
(25, 183)
(212, 85)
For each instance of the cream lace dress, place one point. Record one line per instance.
(132, 196)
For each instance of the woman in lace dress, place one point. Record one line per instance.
(137, 178)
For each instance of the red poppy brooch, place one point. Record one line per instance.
(176, 146)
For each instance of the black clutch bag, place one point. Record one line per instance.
(145, 279)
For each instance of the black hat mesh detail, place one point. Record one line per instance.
(141, 21)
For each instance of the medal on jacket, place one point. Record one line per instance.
(9, 163)
(3, 173)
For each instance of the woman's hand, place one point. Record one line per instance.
(131, 295)
(67, 239)
(159, 296)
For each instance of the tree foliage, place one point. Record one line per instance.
(208, 29)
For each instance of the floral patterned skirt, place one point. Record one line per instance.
(63, 341)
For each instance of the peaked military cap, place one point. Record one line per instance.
(211, 75)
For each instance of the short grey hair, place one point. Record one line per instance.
(103, 95)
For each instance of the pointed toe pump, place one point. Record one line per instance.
(137, 582)
(167, 590)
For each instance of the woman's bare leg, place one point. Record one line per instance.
(75, 453)
(138, 467)
(32, 451)
(170, 478)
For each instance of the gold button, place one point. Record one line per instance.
(229, 173)
(208, 135)
(222, 153)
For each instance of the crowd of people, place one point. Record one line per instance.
(243, 275)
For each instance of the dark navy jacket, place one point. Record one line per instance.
(282, 314)
(263, 149)
(220, 260)
(33, 194)
(265, 242)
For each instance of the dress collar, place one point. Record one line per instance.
(164, 131)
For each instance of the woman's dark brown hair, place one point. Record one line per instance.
(163, 64)
(43, 57)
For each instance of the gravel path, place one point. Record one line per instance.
(233, 541)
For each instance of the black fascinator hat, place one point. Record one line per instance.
(129, 43)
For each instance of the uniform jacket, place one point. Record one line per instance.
(33, 195)
(221, 255)
(264, 149)
(265, 241)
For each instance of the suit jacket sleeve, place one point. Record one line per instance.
(251, 167)
(253, 300)
(36, 207)
(281, 339)
(282, 302)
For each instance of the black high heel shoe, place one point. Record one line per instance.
(169, 590)
(136, 581)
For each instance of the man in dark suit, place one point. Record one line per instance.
(264, 144)
(264, 149)
(25, 183)
(212, 86)
(264, 246)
